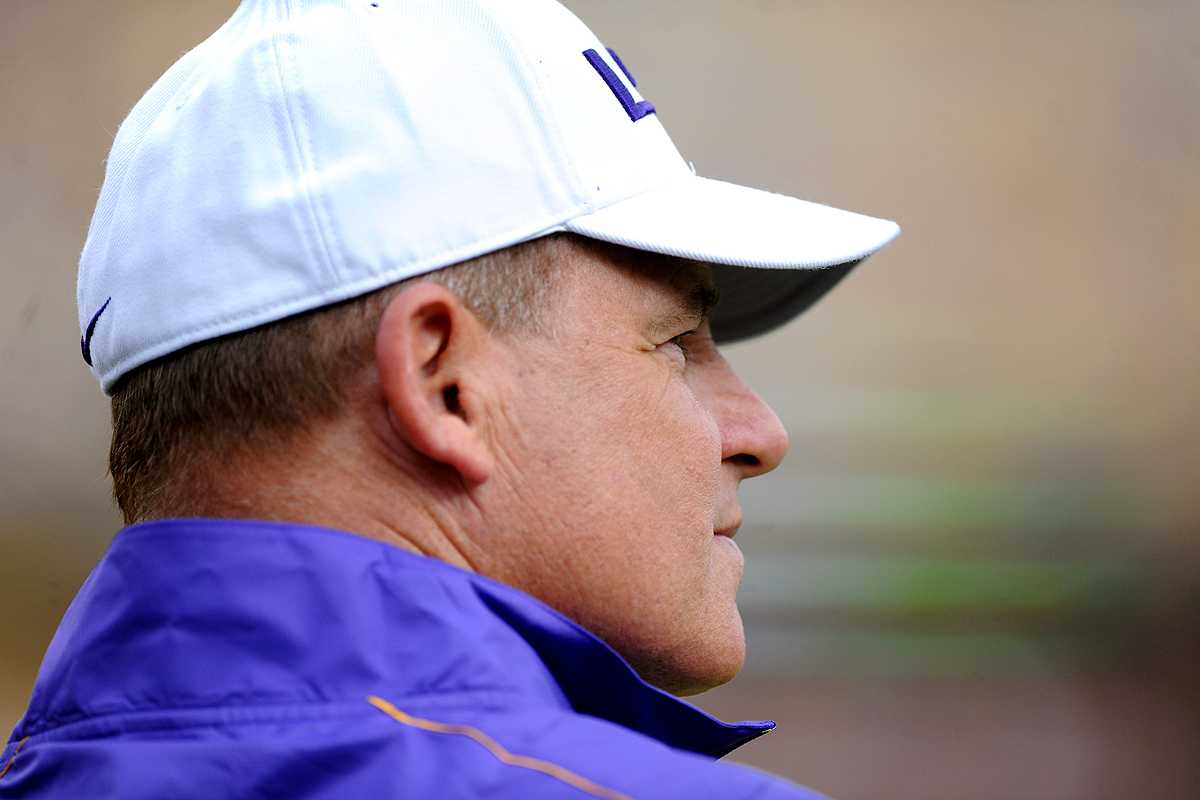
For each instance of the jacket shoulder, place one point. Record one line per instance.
(382, 750)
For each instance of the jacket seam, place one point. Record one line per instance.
(20, 746)
(499, 751)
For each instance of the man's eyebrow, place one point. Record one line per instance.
(694, 307)
(701, 300)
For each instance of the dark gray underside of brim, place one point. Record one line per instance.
(755, 301)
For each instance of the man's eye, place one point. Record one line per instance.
(680, 341)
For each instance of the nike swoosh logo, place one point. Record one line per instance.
(85, 341)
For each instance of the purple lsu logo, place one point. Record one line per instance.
(635, 110)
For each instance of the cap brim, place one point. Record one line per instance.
(775, 255)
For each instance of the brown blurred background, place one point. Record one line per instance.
(978, 573)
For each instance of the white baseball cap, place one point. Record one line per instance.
(313, 150)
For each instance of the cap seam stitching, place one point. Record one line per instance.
(303, 159)
(325, 218)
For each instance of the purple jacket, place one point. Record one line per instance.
(214, 659)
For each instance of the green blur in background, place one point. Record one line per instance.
(978, 573)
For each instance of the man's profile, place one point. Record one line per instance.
(409, 311)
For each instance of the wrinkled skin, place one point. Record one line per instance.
(622, 450)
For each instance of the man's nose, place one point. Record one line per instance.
(752, 437)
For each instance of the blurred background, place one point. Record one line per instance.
(978, 573)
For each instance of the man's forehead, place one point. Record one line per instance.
(660, 283)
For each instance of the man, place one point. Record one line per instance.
(408, 314)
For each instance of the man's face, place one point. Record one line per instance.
(621, 448)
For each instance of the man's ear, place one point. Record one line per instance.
(430, 352)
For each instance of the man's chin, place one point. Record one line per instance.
(699, 669)
(699, 684)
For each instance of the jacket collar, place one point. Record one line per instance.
(197, 612)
